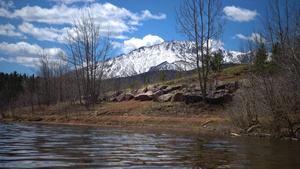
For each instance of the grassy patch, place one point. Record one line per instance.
(237, 70)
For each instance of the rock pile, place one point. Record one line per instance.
(220, 92)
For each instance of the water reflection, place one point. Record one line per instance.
(48, 146)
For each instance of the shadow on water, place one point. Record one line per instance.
(25, 145)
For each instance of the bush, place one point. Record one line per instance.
(273, 101)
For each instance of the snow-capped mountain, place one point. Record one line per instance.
(169, 55)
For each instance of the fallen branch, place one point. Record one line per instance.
(203, 124)
(251, 128)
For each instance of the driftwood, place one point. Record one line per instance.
(252, 127)
(234, 134)
(205, 123)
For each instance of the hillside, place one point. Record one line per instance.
(176, 115)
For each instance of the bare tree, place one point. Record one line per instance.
(61, 68)
(201, 21)
(282, 26)
(46, 74)
(89, 51)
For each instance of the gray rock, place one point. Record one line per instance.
(232, 87)
(152, 88)
(125, 96)
(165, 98)
(218, 97)
(140, 91)
(113, 99)
(191, 88)
(172, 88)
(144, 96)
(217, 85)
(157, 94)
(161, 87)
(192, 98)
(178, 97)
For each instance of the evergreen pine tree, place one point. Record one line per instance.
(261, 57)
(162, 75)
(216, 63)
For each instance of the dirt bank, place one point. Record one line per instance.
(198, 117)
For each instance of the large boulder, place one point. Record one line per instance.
(172, 88)
(125, 96)
(192, 98)
(178, 97)
(161, 87)
(232, 87)
(144, 96)
(152, 88)
(191, 88)
(165, 98)
(157, 94)
(140, 91)
(113, 99)
(133, 92)
(218, 97)
(217, 85)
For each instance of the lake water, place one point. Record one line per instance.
(27, 145)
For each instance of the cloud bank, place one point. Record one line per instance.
(110, 17)
(25, 53)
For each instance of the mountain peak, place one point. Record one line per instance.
(168, 55)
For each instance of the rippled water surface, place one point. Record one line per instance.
(25, 145)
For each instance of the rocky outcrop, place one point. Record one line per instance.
(220, 92)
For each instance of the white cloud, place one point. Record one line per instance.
(25, 53)
(7, 5)
(255, 37)
(71, 1)
(9, 30)
(48, 34)
(111, 18)
(135, 43)
(63, 14)
(147, 15)
(239, 14)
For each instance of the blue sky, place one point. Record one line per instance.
(28, 26)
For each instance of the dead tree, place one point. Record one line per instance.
(202, 22)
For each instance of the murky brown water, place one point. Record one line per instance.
(25, 145)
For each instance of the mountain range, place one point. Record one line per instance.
(169, 55)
